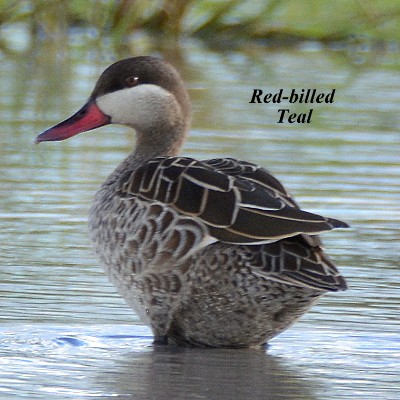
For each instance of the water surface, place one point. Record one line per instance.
(65, 334)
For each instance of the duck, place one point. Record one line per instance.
(208, 253)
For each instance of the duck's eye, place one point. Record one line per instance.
(132, 81)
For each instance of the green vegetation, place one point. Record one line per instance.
(272, 21)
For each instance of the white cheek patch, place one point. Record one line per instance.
(135, 106)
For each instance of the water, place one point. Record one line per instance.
(65, 334)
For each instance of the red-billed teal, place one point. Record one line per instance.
(207, 253)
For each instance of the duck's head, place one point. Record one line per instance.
(145, 93)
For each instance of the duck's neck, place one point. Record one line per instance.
(148, 146)
(159, 143)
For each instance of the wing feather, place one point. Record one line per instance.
(294, 262)
(239, 201)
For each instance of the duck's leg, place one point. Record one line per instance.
(160, 340)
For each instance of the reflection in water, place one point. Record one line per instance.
(101, 361)
(185, 373)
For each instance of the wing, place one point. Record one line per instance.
(260, 175)
(239, 202)
(252, 173)
(294, 262)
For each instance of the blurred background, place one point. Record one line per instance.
(64, 332)
(275, 21)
